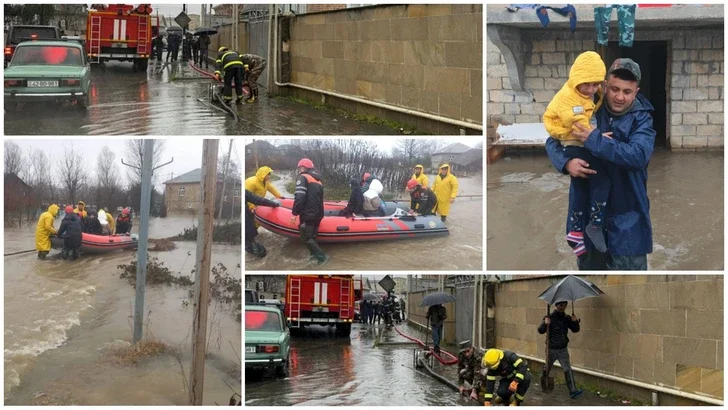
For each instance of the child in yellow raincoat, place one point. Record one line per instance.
(575, 103)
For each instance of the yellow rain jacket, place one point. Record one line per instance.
(111, 221)
(257, 185)
(445, 189)
(422, 179)
(45, 229)
(82, 214)
(569, 105)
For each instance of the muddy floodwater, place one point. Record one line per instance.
(527, 204)
(330, 371)
(461, 250)
(62, 317)
(164, 101)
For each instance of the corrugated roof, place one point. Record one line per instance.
(193, 176)
(456, 148)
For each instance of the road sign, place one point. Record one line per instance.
(387, 284)
(182, 19)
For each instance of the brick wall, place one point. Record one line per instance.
(179, 204)
(422, 57)
(658, 329)
(313, 8)
(694, 103)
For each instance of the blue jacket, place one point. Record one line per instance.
(625, 159)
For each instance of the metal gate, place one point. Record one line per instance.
(258, 44)
(464, 314)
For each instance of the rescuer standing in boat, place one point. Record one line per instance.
(308, 207)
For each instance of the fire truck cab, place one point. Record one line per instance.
(120, 32)
(326, 300)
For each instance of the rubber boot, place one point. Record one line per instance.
(574, 392)
(514, 401)
(42, 255)
(498, 400)
(443, 218)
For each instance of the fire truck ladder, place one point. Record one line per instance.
(345, 299)
(294, 300)
(95, 46)
(142, 40)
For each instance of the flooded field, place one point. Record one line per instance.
(527, 204)
(62, 318)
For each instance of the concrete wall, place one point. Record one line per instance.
(423, 57)
(658, 329)
(223, 36)
(695, 73)
(179, 204)
(416, 313)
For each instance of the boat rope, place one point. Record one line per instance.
(20, 252)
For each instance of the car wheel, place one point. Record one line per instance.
(282, 370)
(83, 103)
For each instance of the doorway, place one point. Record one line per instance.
(653, 60)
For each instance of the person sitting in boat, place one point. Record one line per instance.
(123, 222)
(373, 205)
(110, 221)
(104, 222)
(423, 199)
(251, 231)
(356, 200)
(92, 225)
(260, 184)
(367, 180)
(71, 231)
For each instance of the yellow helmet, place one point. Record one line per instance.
(221, 49)
(492, 358)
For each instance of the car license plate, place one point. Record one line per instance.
(249, 349)
(42, 83)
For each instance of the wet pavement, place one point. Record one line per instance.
(461, 250)
(527, 204)
(62, 316)
(164, 101)
(327, 371)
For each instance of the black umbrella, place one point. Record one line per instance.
(205, 30)
(571, 288)
(437, 298)
(371, 296)
(173, 28)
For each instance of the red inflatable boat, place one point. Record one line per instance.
(101, 243)
(335, 228)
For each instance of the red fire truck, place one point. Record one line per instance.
(320, 300)
(120, 32)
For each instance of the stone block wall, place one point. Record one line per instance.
(424, 57)
(657, 329)
(696, 69)
(178, 204)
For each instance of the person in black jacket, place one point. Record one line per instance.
(424, 200)
(230, 68)
(560, 324)
(92, 225)
(356, 200)
(71, 231)
(251, 246)
(308, 207)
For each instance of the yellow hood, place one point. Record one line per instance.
(445, 166)
(53, 209)
(262, 172)
(587, 68)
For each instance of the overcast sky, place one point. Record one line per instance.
(187, 153)
(386, 144)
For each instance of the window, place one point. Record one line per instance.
(263, 321)
(451, 158)
(236, 193)
(181, 191)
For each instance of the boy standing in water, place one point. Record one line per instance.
(574, 103)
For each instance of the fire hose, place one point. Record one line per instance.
(453, 360)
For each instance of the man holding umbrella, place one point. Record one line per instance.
(560, 324)
(436, 314)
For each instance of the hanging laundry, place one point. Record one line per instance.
(625, 24)
(568, 11)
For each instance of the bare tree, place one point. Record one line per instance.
(410, 148)
(107, 175)
(72, 172)
(13, 158)
(134, 154)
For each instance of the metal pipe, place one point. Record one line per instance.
(483, 316)
(437, 376)
(473, 341)
(270, 33)
(465, 124)
(636, 383)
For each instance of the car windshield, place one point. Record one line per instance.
(48, 55)
(263, 321)
(26, 33)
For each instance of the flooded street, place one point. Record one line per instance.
(61, 317)
(527, 204)
(164, 101)
(461, 250)
(330, 371)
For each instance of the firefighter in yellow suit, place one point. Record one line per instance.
(44, 230)
(446, 189)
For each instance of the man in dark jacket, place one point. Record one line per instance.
(514, 374)
(251, 246)
(424, 200)
(228, 65)
(624, 140)
(308, 207)
(254, 66)
(469, 370)
(92, 225)
(436, 315)
(558, 325)
(356, 200)
(71, 232)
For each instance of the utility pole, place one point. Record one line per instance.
(224, 176)
(202, 269)
(232, 203)
(255, 154)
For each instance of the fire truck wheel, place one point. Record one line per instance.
(141, 65)
(343, 330)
